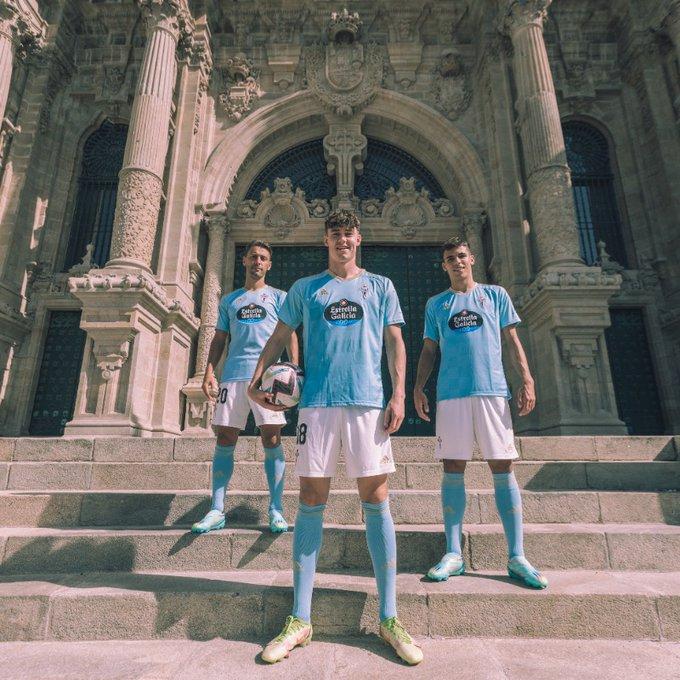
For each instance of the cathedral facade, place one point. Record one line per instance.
(144, 143)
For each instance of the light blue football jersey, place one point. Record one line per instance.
(343, 336)
(468, 327)
(250, 317)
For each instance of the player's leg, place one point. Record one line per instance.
(455, 439)
(493, 427)
(231, 412)
(368, 458)
(318, 448)
(275, 469)
(270, 424)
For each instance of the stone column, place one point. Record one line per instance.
(671, 25)
(198, 412)
(140, 185)
(549, 180)
(473, 227)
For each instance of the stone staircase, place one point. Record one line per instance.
(94, 544)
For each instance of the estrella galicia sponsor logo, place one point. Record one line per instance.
(465, 321)
(251, 313)
(344, 313)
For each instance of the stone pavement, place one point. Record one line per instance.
(364, 658)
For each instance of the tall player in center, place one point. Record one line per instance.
(347, 313)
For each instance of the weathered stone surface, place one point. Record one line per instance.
(558, 448)
(133, 449)
(150, 476)
(7, 448)
(45, 476)
(53, 449)
(39, 510)
(546, 507)
(635, 448)
(643, 550)
(633, 506)
(657, 476)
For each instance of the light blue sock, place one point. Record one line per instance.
(307, 539)
(274, 468)
(509, 504)
(222, 469)
(382, 544)
(453, 507)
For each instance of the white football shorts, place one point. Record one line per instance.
(359, 431)
(485, 419)
(233, 406)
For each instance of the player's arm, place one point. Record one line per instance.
(428, 355)
(396, 360)
(526, 397)
(270, 354)
(293, 349)
(215, 352)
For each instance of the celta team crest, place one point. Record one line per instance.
(465, 321)
(344, 313)
(251, 313)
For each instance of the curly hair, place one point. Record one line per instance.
(454, 242)
(342, 218)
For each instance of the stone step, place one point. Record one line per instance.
(406, 449)
(182, 508)
(649, 547)
(359, 656)
(246, 604)
(249, 475)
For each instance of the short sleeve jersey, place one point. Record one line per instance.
(250, 317)
(343, 336)
(468, 327)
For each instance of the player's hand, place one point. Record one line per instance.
(421, 404)
(264, 399)
(210, 387)
(394, 414)
(526, 399)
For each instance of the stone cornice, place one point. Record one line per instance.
(579, 280)
(169, 15)
(107, 282)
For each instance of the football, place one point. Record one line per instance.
(284, 382)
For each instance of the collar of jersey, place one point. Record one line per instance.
(339, 278)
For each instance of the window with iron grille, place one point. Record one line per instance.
(594, 196)
(384, 166)
(96, 197)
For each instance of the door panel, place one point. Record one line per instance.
(55, 395)
(637, 396)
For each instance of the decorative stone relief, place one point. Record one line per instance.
(344, 74)
(345, 149)
(111, 353)
(451, 89)
(242, 87)
(86, 264)
(134, 231)
(283, 209)
(406, 208)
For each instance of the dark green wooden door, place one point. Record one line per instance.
(55, 395)
(417, 275)
(637, 396)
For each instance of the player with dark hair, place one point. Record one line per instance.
(347, 314)
(247, 316)
(467, 322)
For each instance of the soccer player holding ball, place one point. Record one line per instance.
(347, 314)
(248, 317)
(466, 322)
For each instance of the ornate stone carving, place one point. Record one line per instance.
(408, 209)
(405, 47)
(521, 13)
(134, 230)
(111, 353)
(171, 15)
(283, 215)
(86, 263)
(344, 74)
(242, 87)
(345, 149)
(451, 86)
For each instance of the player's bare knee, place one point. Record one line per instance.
(226, 436)
(314, 491)
(271, 437)
(455, 466)
(500, 466)
(373, 489)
